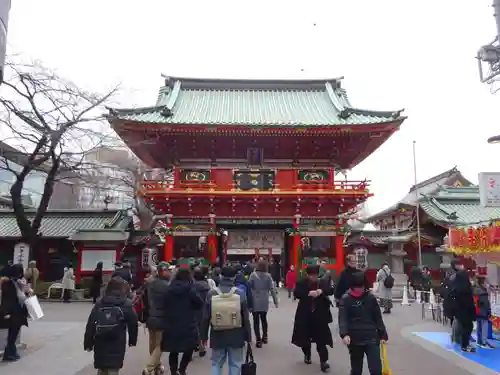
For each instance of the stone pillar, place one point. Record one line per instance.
(396, 262)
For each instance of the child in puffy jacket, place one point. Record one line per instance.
(483, 312)
(290, 281)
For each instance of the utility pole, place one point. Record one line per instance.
(4, 21)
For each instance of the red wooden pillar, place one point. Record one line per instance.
(78, 273)
(168, 251)
(296, 255)
(339, 248)
(212, 240)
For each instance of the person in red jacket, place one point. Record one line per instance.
(291, 280)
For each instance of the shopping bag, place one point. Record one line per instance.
(249, 367)
(34, 309)
(385, 362)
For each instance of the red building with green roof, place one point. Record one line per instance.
(255, 165)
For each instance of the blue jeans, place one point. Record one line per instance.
(234, 357)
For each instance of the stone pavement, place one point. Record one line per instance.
(55, 347)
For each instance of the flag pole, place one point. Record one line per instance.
(417, 204)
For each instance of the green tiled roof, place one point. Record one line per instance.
(429, 187)
(63, 223)
(458, 206)
(283, 103)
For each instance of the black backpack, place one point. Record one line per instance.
(389, 280)
(110, 322)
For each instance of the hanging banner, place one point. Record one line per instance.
(474, 240)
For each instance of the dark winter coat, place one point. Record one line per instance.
(360, 319)
(344, 283)
(202, 288)
(446, 295)
(125, 273)
(182, 303)
(96, 283)
(313, 314)
(275, 271)
(11, 306)
(156, 290)
(110, 354)
(234, 338)
(463, 298)
(483, 305)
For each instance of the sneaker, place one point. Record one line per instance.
(307, 360)
(159, 370)
(487, 345)
(325, 367)
(265, 340)
(258, 344)
(469, 349)
(10, 359)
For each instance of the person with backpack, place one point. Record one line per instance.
(361, 326)
(154, 301)
(106, 331)
(385, 283)
(226, 319)
(261, 285)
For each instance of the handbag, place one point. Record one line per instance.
(385, 362)
(249, 367)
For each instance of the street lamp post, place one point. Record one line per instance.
(488, 56)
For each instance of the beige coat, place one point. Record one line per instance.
(68, 280)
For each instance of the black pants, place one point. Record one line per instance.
(357, 354)
(467, 327)
(321, 349)
(173, 361)
(67, 295)
(260, 317)
(10, 348)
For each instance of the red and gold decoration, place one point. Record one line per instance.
(474, 240)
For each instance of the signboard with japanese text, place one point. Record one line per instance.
(489, 189)
(21, 254)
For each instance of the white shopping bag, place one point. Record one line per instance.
(34, 309)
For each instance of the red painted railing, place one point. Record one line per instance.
(301, 185)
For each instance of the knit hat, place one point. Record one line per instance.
(163, 266)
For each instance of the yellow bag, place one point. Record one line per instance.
(385, 362)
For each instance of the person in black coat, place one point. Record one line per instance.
(202, 287)
(344, 282)
(109, 343)
(96, 283)
(464, 309)
(13, 312)
(361, 326)
(313, 316)
(181, 333)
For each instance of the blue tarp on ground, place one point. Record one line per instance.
(489, 358)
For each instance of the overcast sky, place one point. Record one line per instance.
(417, 55)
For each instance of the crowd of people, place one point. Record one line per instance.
(187, 310)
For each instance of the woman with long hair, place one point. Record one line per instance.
(261, 285)
(181, 335)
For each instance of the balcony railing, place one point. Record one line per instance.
(300, 186)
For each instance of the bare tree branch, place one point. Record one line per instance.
(57, 124)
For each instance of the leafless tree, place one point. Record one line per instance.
(56, 124)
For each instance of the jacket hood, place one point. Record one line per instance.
(202, 286)
(114, 299)
(178, 287)
(226, 281)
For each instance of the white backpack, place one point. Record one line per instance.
(226, 310)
